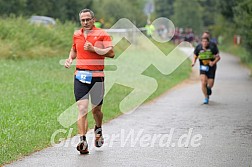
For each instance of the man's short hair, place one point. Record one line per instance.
(205, 38)
(87, 10)
(206, 32)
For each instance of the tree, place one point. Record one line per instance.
(62, 10)
(242, 17)
(188, 14)
(12, 7)
(36, 7)
(113, 10)
(164, 8)
(237, 14)
(73, 8)
(226, 8)
(210, 11)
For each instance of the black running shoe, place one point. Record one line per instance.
(82, 147)
(209, 91)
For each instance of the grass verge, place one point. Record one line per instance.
(238, 50)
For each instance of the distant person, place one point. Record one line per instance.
(208, 55)
(212, 41)
(176, 37)
(186, 35)
(149, 29)
(90, 46)
(191, 35)
(99, 24)
(220, 39)
(162, 32)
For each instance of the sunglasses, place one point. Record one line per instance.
(86, 20)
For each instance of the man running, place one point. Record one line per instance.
(208, 55)
(90, 46)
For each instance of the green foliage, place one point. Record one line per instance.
(164, 8)
(243, 19)
(210, 11)
(237, 21)
(12, 7)
(226, 8)
(113, 10)
(188, 14)
(68, 10)
(63, 9)
(20, 39)
(237, 50)
(33, 94)
(222, 27)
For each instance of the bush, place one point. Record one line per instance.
(20, 39)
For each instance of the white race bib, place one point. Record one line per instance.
(204, 68)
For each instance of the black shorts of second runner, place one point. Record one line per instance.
(210, 73)
(95, 90)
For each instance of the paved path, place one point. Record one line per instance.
(221, 134)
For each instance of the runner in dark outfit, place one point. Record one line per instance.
(208, 55)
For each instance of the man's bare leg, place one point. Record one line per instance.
(82, 116)
(204, 79)
(210, 83)
(82, 125)
(98, 116)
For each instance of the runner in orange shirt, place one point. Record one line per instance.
(90, 46)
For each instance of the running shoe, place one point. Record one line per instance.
(209, 91)
(206, 101)
(82, 147)
(99, 140)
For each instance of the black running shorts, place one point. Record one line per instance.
(95, 90)
(210, 73)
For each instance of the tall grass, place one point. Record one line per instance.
(20, 39)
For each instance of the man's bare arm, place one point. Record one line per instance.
(217, 58)
(106, 52)
(194, 60)
(71, 57)
(109, 52)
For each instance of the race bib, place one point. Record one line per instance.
(204, 68)
(84, 76)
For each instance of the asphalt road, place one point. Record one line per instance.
(175, 129)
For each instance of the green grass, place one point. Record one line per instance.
(20, 39)
(240, 51)
(36, 89)
(35, 92)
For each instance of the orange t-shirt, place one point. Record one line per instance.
(87, 60)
